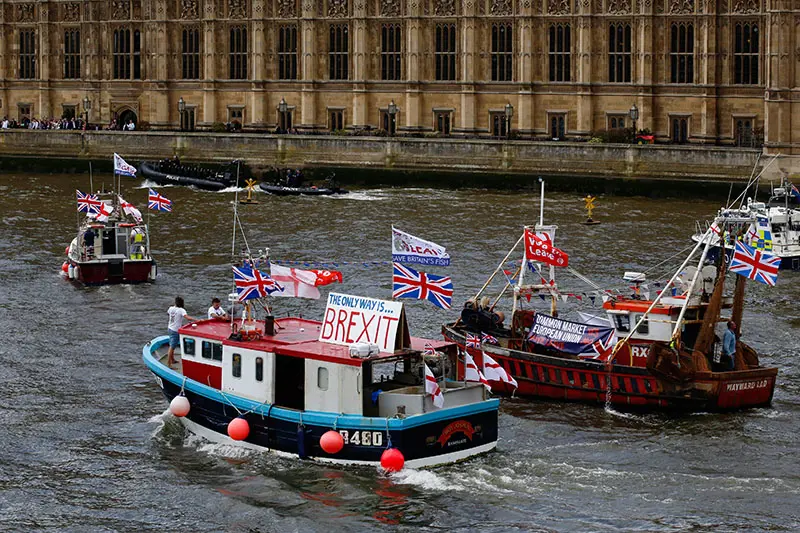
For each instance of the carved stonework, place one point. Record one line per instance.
(746, 6)
(558, 7)
(189, 9)
(337, 8)
(72, 12)
(681, 7)
(619, 7)
(120, 9)
(390, 8)
(287, 8)
(444, 8)
(501, 7)
(24, 12)
(237, 9)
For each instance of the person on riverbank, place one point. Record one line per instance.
(176, 315)
(215, 311)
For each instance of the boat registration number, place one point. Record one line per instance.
(362, 438)
(160, 383)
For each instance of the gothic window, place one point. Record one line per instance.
(619, 53)
(558, 125)
(27, 54)
(443, 120)
(502, 52)
(617, 122)
(681, 53)
(744, 132)
(680, 129)
(445, 53)
(237, 53)
(335, 119)
(498, 123)
(287, 52)
(745, 53)
(190, 54)
(339, 52)
(391, 39)
(559, 53)
(72, 54)
(127, 54)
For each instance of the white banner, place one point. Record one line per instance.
(349, 319)
(121, 167)
(409, 249)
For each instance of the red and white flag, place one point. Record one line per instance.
(539, 247)
(130, 209)
(432, 388)
(471, 372)
(494, 372)
(326, 277)
(105, 211)
(296, 283)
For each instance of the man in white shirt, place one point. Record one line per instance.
(215, 311)
(176, 315)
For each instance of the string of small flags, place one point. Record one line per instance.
(327, 264)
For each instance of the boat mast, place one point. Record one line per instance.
(676, 331)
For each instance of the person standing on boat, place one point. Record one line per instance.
(729, 347)
(176, 315)
(215, 311)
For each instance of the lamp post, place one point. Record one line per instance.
(634, 114)
(87, 106)
(283, 108)
(392, 110)
(181, 110)
(509, 114)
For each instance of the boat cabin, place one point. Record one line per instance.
(293, 369)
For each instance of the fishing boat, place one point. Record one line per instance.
(113, 246)
(172, 171)
(304, 388)
(657, 354)
(291, 184)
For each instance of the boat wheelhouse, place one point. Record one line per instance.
(114, 251)
(293, 388)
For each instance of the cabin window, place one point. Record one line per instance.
(644, 327)
(206, 350)
(259, 369)
(212, 350)
(236, 366)
(188, 346)
(622, 322)
(322, 378)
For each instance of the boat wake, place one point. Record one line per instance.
(425, 479)
(147, 184)
(228, 189)
(360, 196)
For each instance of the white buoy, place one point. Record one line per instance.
(71, 271)
(179, 406)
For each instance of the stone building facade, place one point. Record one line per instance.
(698, 71)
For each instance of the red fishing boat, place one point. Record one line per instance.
(645, 354)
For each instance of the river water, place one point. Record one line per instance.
(85, 444)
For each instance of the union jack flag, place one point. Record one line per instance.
(88, 203)
(794, 191)
(755, 264)
(157, 202)
(251, 283)
(408, 283)
(429, 349)
(488, 339)
(473, 341)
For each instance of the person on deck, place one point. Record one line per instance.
(176, 315)
(88, 242)
(728, 361)
(215, 311)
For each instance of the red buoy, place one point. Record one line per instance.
(238, 429)
(66, 251)
(65, 267)
(331, 442)
(179, 406)
(392, 460)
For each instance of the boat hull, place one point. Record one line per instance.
(150, 172)
(440, 437)
(107, 272)
(279, 190)
(624, 387)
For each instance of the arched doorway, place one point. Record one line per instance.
(124, 117)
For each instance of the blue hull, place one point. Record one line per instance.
(428, 439)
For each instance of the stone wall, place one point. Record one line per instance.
(378, 153)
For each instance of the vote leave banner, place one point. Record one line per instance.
(409, 249)
(349, 319)
(539, 247)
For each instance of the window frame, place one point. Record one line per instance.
(502, 52)
(335, 118)
(443, 121)
(746, 54)
(445, 57)
(27, 41)
(559, 52)
(681, 52)
(190, 53)
(72, 54)
(391, 51)
(339, 52)
(189, 341)
(238, 52)
(126, 53)
(287, 52)
(236, 365)
(619, 53)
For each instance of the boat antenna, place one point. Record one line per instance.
(235, 215)
(541, 202)
(91, 185)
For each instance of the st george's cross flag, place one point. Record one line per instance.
(755, 264)
(121, 167)
(494, 372)
(408, 283)
(88, 203)
(252, 283)
(432, 388)
(103, 212)
(130, 209)
(472, 373)
(296, 283)
(156, 202)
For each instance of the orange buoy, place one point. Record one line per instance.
(179, 406)
(331, 442)
(238, 429)
(66, 251)
(65, 267)
(392, 460)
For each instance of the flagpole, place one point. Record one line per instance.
(91, 185)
